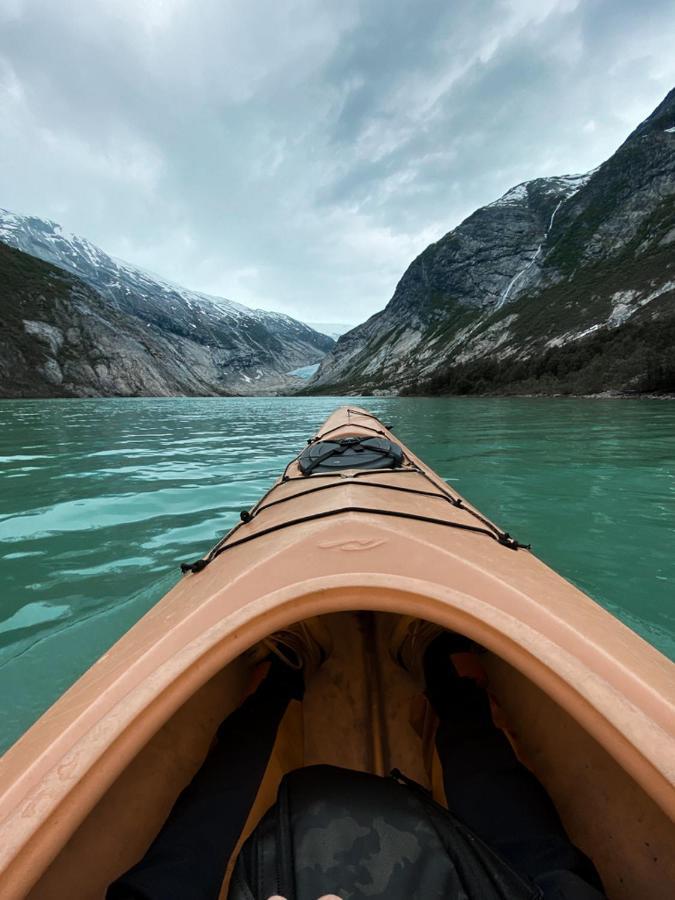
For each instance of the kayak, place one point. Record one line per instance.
(359, 531)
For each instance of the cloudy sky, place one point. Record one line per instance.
(298, 154)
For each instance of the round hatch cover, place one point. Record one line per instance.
(350, 453)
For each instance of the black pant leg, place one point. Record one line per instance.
(500, 799)
(189, 856)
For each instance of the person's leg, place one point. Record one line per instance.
(488, 788)
(189, 856)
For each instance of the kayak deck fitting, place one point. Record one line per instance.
(589, 704)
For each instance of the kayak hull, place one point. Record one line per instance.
(590, 704)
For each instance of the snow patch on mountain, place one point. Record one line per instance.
(566, 184)
(48, 241)
(235, 340)
(517, 194)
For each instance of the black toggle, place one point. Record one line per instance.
(194, 567)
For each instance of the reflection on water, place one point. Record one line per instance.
(102, 499)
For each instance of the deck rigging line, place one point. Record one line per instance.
(340, 479)
(247, 516)
(320, 437)
(502, 538)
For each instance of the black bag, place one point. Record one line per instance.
(361, 836)
(350, 453)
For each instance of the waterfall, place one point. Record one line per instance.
(505, 296)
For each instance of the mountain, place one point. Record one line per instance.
(232, 349)
(60, 338)
(564, 284)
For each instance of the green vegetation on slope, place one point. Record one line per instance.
(31, 289)
(636, 357)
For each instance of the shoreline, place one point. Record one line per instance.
(375, 394)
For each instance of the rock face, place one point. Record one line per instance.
(60, 338)
(227, 348)
(531, 290)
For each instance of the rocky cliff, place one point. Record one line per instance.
(225, 347)
(562, 284)
(61, 339)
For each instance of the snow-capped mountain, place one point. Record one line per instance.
(250, 350)
(562, 283)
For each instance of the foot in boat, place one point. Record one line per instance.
(304, 646)
(412, 638)
(437, 658)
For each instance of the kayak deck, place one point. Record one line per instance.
(589, 702)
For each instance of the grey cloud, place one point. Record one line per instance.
(298, 155)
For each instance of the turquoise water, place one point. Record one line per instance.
(100, 500)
